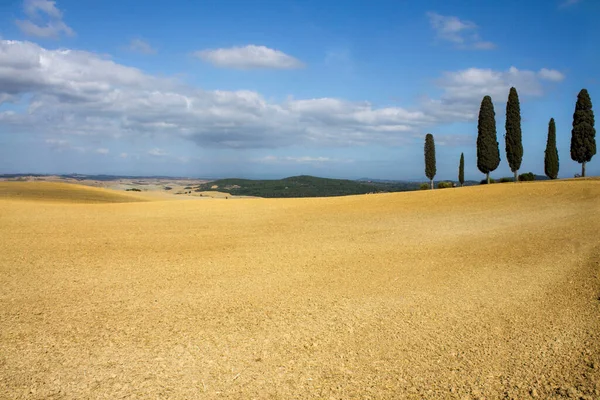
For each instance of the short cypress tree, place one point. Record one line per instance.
(514, 145)
(488, 155)
(461, 169)
(583, 135)
(551, 154)
(430, 169)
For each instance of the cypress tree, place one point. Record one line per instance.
(488, 155)
(551, 154)
(583, 135)
(430, 169)
(461, 169)
(514, 146)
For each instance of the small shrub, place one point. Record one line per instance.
(528, 176)
(444, 185)
(505, 179)
(133, 190)
(424, 186)
(168, 188)
(484, 181)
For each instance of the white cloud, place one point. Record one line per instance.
(102, 151)
(300, 160)
(551, 75)
(123, 155)
(141, 46)
(249, 57)
(45, 20)
(67, 93)
(33, 7)
(463, 34)
(158, 152)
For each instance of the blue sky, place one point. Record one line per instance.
(272, 89)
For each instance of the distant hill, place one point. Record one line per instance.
(303, 186)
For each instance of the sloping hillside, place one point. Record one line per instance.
(479, 292)
(62, 192)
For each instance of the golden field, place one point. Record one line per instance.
(480, 292)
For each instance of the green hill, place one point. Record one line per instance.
(303, 186)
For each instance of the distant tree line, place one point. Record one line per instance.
(583, 141)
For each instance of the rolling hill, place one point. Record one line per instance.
(479, 292)
(303, 186)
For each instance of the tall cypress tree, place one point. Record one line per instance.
(430, 169)
(461, 169)
(583, 135)
(551, 154)
(488, 155)
(514, 146)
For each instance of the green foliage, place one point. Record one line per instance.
(514, 145)
(133, 190)
(424, 186)
(528, 176)
(430, 168)
(551, 163)
(506, 179)
(444, 185)
(583, 134)
(488, 155)
(304, 186)
(484, 181)
(461, 169)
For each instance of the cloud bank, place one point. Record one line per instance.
(65, 93)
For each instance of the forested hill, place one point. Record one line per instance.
(304, 186)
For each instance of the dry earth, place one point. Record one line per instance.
(480, 292)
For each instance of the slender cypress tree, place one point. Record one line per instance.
(583, 135)
(430, 169)
(551, 154)
(461, 169)
(488, 155)
(514, 146)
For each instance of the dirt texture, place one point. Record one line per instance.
(481, 292)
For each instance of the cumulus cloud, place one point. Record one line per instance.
(249, 57)
(45, 20)
(461, 33)
(66, 93)
(140, 46)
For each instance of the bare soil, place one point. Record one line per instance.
(480, 292)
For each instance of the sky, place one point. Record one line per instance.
(268, 89)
